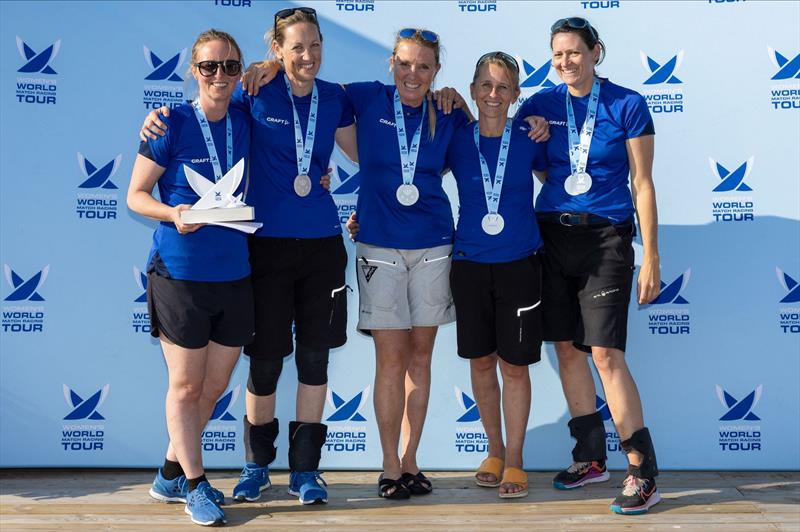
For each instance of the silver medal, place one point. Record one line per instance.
(407, 195)
(578, 183)
(302, 185)
(493, 224)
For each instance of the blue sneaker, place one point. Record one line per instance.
(306, 485)
(201, 507)
(252, 482)
(169, 490)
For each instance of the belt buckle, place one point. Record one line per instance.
(564, 219)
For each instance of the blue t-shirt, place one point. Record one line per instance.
(384, 221)
(274, 160)
(520, 235)
(621, 114)
(211, 253)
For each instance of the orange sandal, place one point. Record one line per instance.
(516, 477)
(490, 466)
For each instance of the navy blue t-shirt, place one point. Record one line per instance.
(274, 160)
(520, 235)
(621, 114)
(211, 253)
(384, 221)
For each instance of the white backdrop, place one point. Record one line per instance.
(717, 358)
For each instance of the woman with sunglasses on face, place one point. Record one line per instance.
(298, 257)
(496, 274)
(199, 293)
(586, 216)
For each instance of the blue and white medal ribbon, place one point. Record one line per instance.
(212, 150)
(579, 182)
(493, 223)
(407, 193)
(303, 150)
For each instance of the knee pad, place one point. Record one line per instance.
(263, 378)
(590, 434)
(312, 365)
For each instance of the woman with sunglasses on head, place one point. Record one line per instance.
(496, 274)
(586, 216)
(199, 293)
(298, 257)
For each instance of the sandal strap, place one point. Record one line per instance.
(491, 466)
(515, 475)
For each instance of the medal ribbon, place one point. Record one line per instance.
(493, 191)
(408, 155)
(212, 150)
(303, 149)
(579, 147)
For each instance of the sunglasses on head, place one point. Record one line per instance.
(230, 67)
(504, 57)
(427, 35)
(575, 23)
(284, 13)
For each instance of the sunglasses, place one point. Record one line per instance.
(427, 35)
(575, 23)
(284, 13)
(230, 67)
(504, 57)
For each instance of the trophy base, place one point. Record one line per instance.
(231, 214)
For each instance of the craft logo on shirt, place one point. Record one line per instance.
(785, 93)
(97, 205)
(739, 431)
(345, 183)
(22, 316)
(477, 6)
(33, 89)
(140, 316)
(668, 314)
(660, 90)
(789, 315)
(347, 431)
(612, 436)
(166, 93)
(220, 435)
(233, 3)
(352, 6)
(81, 430)
(469, 436)
(737, 207)
(599, 4)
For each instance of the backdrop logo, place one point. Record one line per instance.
(349, 434)
(786, 93)
(612, 436)
(97, 205)
(673, 316)
(140, 316)
(232, 3)
(468, 406)
(661, 99)
(355, 5)
(789, 317)
(599, 4)
(477, 6)
(469, 434)
(36, 90)
(536, 77)
(86, 435)
(163, 70)
(163, 94)
(345, 191)
(661, 73)
(219, 436)
(602, 407)
(736, 208)
(746, 436)
(25, 290)
(24, 317)
(347, 410)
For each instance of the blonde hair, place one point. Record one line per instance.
(417, 39)
(215, 35)
(513, 75)
(278, 32)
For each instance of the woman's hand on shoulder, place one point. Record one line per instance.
(447, 99)
(153, 127)
(183, 228)
(540, 128)
(259, 74)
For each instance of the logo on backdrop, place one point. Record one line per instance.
(536, 77)
(660, 90)
(347, 432)
(669, 313)
(170, 91)
(97, 205)
(736, 207)
(612, 436)
(740, 432)
(345, 191)
(599, 4)
(477, 6)
(785, 92)
(140, 316)
(81, 430)
(789, 315)
(355, 5)
(24, 315)
(469, 434)
(725, 1)
(220, 434)
(33, 89)
(232, 3)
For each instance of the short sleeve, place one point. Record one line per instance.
(240, 100)
(528, 108)
(158, 150)
(460, 118)
(361, 94)
(636, 117)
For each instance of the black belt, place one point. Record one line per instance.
(570, 219)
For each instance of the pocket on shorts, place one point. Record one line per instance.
(437, 277)
(379, 278)
(338, 315)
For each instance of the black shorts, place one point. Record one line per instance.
(588, 272)
(498, 308)
(190, 313)
(300, 280)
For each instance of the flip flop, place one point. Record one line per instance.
(417, 484)
(517, 477)
(490, 466)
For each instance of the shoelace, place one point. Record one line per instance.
(316, 475)
(578, 467)
(632, 485)
(251, 473)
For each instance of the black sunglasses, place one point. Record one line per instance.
(230, 67)
(575, 23)
(284, 13)
(504, 57)
(427, 35)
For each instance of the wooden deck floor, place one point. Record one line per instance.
(117, 500)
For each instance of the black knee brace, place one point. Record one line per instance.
(305, 445)
(259, 442)
(640, 441)
(590, 434)
(264, 373)
(312, 365)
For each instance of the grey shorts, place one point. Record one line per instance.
(403, 288)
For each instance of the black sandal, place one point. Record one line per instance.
(417, 484)
(395, 489)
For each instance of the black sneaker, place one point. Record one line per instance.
(638, 495)
(581, 473)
